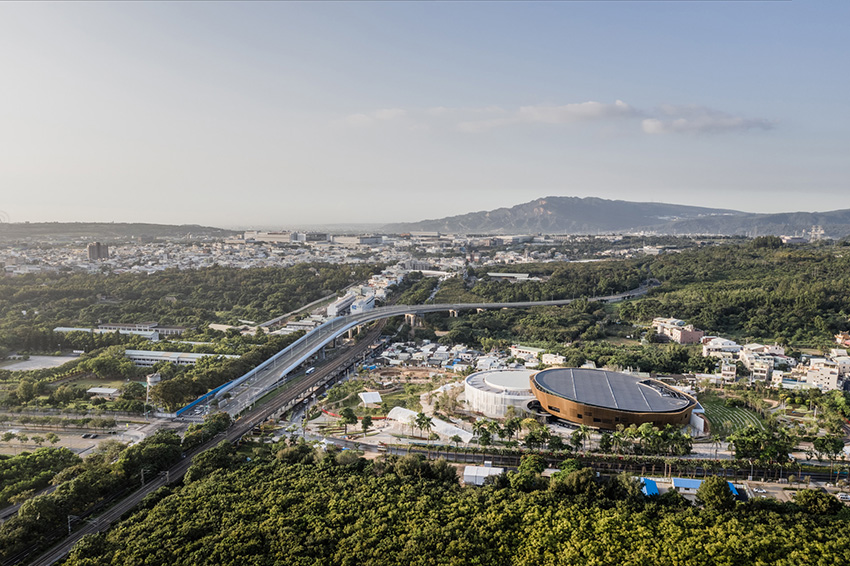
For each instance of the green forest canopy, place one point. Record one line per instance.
(299, 508)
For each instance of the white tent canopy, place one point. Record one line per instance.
(370, 397)
(442, 428)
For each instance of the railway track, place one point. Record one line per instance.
(280, 402)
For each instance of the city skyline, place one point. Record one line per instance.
(296, 113)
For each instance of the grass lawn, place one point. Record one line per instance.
(726, 420)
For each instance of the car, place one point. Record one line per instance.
(86, 435)
(93, 436)
(843, 497)
(759, 490)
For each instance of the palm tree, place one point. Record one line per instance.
(478, 426)
(457, 440)
(715, 441)
(584, 433)
(618, 439)
(529, 424)
(644, 431)
(512, 426)
(495, 429)
(425, 424)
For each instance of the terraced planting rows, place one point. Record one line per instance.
(726, 420)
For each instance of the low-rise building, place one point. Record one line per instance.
(677, 330)
(728, 371)
(477, 475)
(553, 359)
(145, 358)
(363, 304)
(823, 377)
(525, 352)
(762, 369)
(715, 346)
(151, 335)
(341, 306)
(103, 392)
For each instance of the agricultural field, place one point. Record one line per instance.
(726, 420)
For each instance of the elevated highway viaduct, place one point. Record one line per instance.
(244, 391)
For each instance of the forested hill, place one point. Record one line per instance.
(103, 231)
(571, 215)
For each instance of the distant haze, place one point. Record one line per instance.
(268, 114)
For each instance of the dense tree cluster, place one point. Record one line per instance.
(548, 325)
(213, 424)
(755, 290)
(561, 281)
(32, 305)
(772, 444)
(335, 508)
(658, 358)
(81, 486)
(29, 472)
(797, 296)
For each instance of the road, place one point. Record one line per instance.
(245, 390)
(286, 397)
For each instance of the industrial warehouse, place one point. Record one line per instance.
(604, 399)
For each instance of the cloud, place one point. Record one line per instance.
(389, 114)
(358, 120)
(546, 114)
(383, 115)
(665, 119)
(475, 126)
(575, 112)
(701, 120)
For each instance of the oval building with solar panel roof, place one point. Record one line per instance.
(604, 399)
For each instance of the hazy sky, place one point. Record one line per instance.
(267, 114)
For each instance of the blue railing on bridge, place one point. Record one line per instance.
(201, 399)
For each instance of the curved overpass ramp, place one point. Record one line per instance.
(266, 376)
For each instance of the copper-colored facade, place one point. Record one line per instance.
(605, 417)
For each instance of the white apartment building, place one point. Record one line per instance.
(553, 359)
(843, 365)
(823, 377)
(714, 346)
(728, 371)
(762, 369)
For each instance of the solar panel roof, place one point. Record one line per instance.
(610, 389)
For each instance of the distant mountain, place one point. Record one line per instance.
(103, 231)
(573, 215)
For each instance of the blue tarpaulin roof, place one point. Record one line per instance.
(685, 483)
(649, 487)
